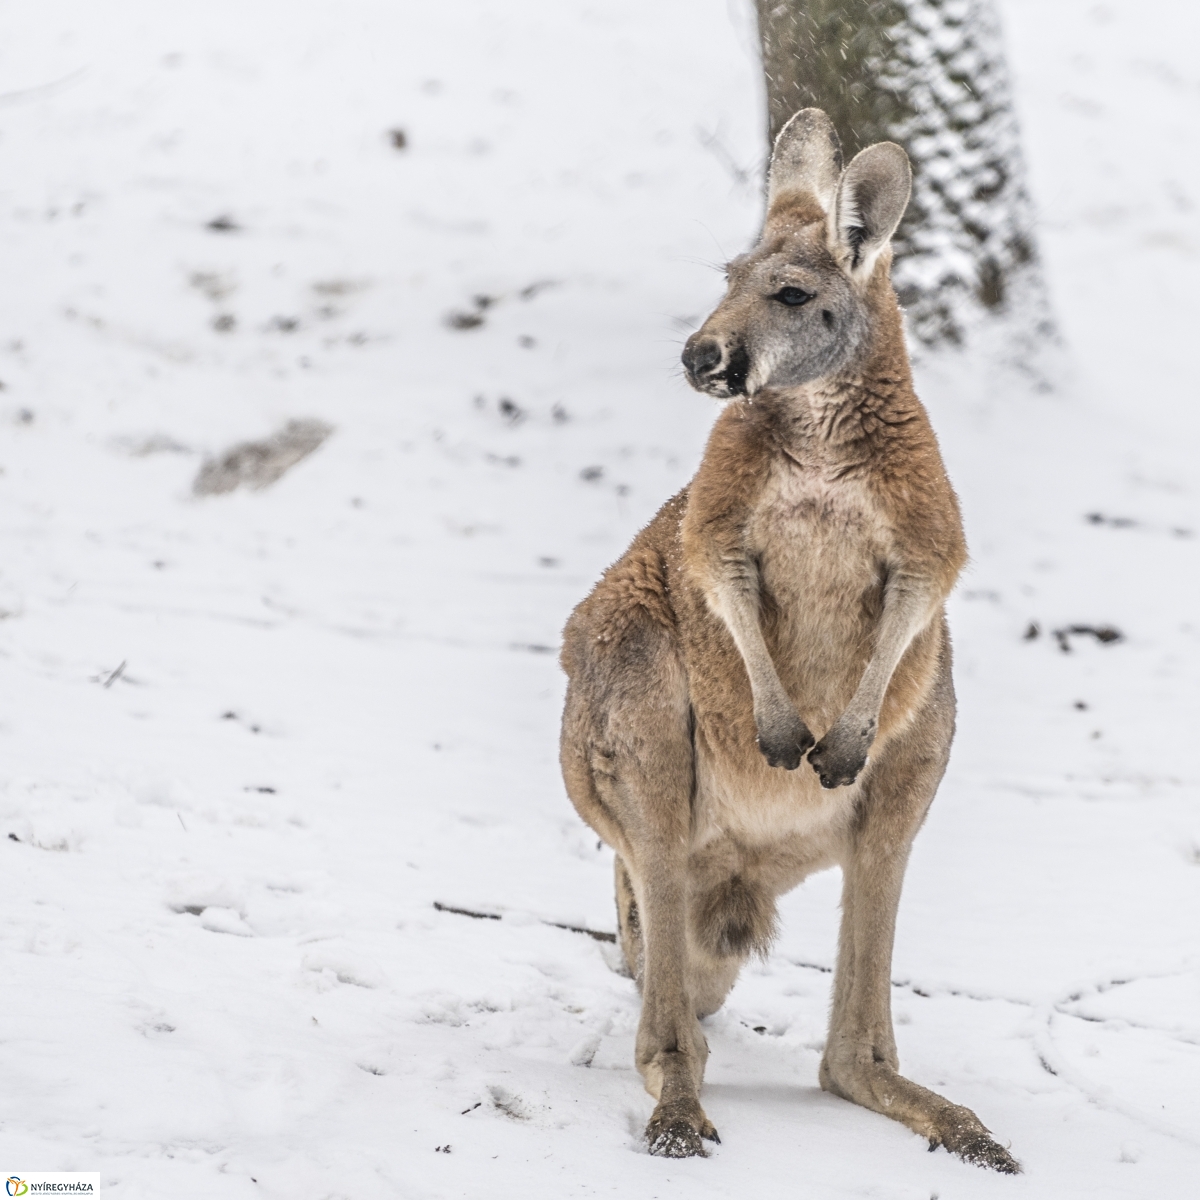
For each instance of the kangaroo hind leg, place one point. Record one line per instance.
(860, 1062)
(628, 764)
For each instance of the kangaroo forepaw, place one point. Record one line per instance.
(841, 754)
(673, 1133)
(836, 770)
(784, 738)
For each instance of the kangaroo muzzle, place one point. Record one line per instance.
(715, 366)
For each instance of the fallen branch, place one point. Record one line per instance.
(598, 935)
(465, 912)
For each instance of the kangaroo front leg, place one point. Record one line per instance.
(860, 1061)
(783, 736)
(841, 754)
(671, 1049)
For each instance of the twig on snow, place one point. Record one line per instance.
(598, 935)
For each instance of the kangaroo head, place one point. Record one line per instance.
(797, 306)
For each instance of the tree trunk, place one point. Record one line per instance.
(930, 75)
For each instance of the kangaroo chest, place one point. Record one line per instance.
(821, 543)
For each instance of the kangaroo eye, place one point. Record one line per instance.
(793, 297)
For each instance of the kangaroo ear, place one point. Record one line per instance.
(871, 198)
(807, 158)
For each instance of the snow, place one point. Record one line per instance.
(337, 699)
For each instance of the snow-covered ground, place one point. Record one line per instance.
(248, 741)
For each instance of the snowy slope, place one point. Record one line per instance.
(338, 701)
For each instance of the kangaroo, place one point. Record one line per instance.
(787, 605)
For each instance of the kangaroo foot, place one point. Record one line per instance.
(962, 1133)
(881, 1088)
(676, 1131)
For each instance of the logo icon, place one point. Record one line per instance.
(15, 1187)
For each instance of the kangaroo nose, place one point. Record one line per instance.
(701, 356)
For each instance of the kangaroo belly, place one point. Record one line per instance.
(771, 825)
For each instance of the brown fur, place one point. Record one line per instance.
(796, 585)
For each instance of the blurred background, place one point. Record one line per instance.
(338, 356)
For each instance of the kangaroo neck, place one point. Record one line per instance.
(840, 420)
(855, 404)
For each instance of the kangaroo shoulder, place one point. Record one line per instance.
(917, 490)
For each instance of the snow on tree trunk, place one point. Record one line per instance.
(930, 75)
